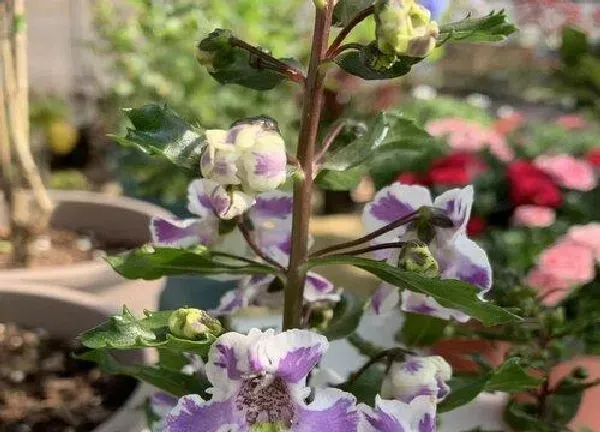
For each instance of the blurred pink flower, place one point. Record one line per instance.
(587, 235)
(567, 171)
(572, 121)
(464, 135)
(560, 268)
(534, 216)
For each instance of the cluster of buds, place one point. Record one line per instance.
(416, 257)
(404, 28)
(250, 156)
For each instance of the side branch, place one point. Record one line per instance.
(390, 227)
(257, 250)
(270, 62)
(334, 49)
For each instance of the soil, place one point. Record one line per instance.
(44, 389)
(58, 248)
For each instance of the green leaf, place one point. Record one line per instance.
(340, 180)
(120, 331)
(126, 331)
(422, 330)
(153, 263)
(388, 131)
(172, 382)
(227, 63)
(574, 45)
(160, 132)
(523, 417)
(346, 10)
(346, 317)
(369, 64)
(367, 386)
(490, 28)
(453, 294)
(508, 378)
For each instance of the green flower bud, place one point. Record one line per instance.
(417, 258)
(404, 28)
(580, 373)
(193, 324)
(268, 427)
(216, 42)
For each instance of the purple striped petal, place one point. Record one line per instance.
(397, 416)
(385, 299)
(193, 414)
(465, 260)
(183, 233)
(425, 305)
(456, 204)
(273, 205)
(332, 410)
(265, 164)
(317, 288)
(393, 202)
(293, 354)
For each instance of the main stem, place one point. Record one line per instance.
(311, 114)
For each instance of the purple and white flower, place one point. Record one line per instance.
(255, 291)
(161, 405)
(271, 223)
(251, 154)
(259, 383)
(396, 416)
(417, 376)
(210, 202)
(458, 257)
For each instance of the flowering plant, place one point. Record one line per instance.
(247, 225)
(536, 216)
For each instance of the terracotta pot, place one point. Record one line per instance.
(588, 415)
(65, 313)
(118, 220)
(458, 352)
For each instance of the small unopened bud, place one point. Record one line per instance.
(193, 324)
(405, 28)
(417, 258)
(580, 373)
(217, 41)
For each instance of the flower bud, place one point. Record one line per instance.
(417, 258)
(216, 42)
(417, 376)
(193, 324)
(404, 28)
(251, 154)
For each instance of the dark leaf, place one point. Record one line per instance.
(369, 64)
(574, 45)
(126, 331)
(453, 294)
(160, 132)
(340, 180)
(490, 28)
(346, 317)
(172, 382)
(367, 386)
(421, 330)
(346, 10)
(389, 131)
(153, 263)
(508, 378)
(230, 64)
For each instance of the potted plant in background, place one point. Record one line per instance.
(244, 224)
(52, 237)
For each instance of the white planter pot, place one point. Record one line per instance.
(65, 313)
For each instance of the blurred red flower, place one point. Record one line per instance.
(457, 169)
(411, 178)
(476, 226)
(593, 157)
(530, 185)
